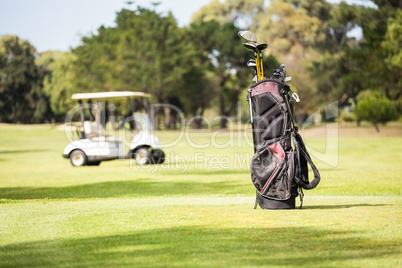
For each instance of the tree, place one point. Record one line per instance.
(290, 24)
(21, 97)
(224, 56)
(58, 81)
(295, 30)
(391, 47)
(393, 41)
(144, 52)
(241, 13)
(199, 89)
(375, 108)
(378, 41)
(94, 64)
(348, 66)
(340, 63)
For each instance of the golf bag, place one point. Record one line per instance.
(279, 171)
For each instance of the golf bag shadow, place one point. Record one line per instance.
(279, 171)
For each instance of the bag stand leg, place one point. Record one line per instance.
(266, 203)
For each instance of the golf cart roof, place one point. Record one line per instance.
(107, 95)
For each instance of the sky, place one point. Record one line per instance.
(60, 24)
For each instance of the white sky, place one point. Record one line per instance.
(59, 24)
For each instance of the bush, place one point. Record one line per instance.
(375, 108)
(346, 117)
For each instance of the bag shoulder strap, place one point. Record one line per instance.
(305, 158)
(302, 154)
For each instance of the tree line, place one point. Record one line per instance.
(203, 65)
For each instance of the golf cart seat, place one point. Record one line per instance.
(93, 129)
(95, 132)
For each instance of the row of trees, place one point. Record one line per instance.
(202, 65)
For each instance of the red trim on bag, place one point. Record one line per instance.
(264, 88)
(278, 151)
(269, 179)
(278, 154)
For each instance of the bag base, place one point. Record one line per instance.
(266, 203)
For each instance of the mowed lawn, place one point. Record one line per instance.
(196, 210)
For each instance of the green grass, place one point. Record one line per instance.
(197, 213)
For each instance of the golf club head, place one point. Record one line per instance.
(277, 72)
(283, 71)
(248, 36)
(251, 63)
(261, 46)
(253, 66)
(249, 46)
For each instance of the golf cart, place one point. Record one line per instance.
(91, 145)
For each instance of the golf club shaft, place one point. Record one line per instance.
(262, 66)
(257, 60)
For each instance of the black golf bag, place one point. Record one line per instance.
(279, 170)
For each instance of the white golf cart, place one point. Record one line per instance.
(92, 145)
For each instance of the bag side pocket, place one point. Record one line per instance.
(266, 165)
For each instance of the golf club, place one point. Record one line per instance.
(286, 79)
(260, 47)
(253, 66)
(257, 48)
(253, 47)
(277, 72)
(250, 46)
(248, 36)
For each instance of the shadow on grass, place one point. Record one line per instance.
(196, 246)
(135, 188)
(212, 172)
(21, 151)
(343, 206)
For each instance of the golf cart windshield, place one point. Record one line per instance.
(138, 120)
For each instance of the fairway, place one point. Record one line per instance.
(196, 210)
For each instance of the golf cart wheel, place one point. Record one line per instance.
(143, 156)
(78, 158)
(158, 156)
